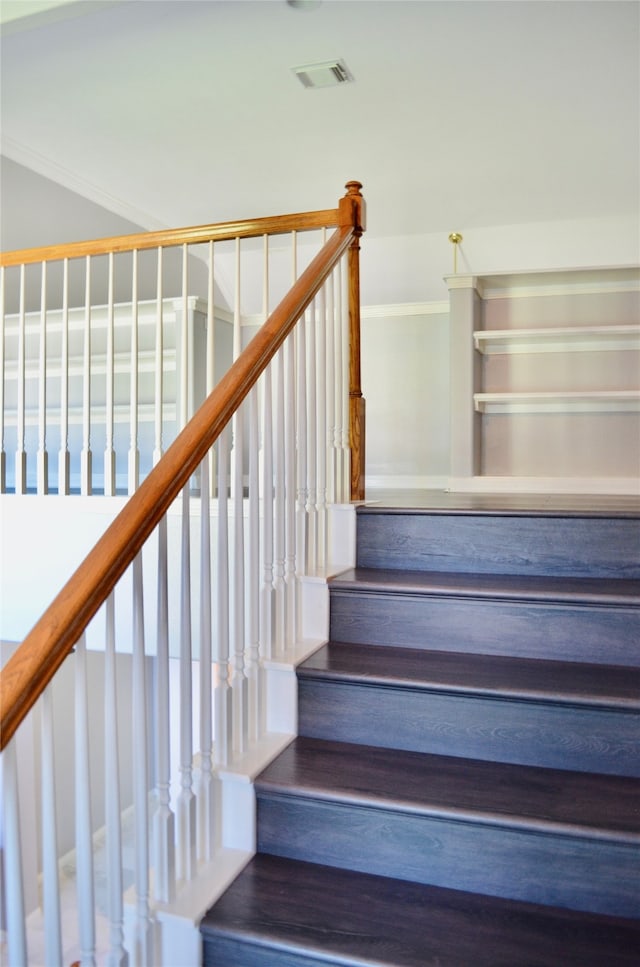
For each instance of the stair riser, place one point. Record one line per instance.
(587, 633)
(528, 733)
(485, 544)
(225, 952)
(563, 870)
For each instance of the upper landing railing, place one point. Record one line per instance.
(109, 346)
(277, 440)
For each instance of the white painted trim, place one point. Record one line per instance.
(391, 311)
(620, 486)
(71, 180)
(405, 309)
(562, 339)
(605, 401)
(404, 482)
(590, 280)
(463, 282)
(171, 308)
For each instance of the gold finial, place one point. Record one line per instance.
(455, 238)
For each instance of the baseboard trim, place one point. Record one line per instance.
(620, 486)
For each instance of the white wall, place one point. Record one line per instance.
(412, 268)
(405, 381)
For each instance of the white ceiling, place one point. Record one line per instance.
(462, 114)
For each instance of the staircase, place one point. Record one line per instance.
(465, 787)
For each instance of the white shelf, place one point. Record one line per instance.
(549, 340)
(606, 401)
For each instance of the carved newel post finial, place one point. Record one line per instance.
(352, 207)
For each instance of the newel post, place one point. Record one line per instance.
(352, 209)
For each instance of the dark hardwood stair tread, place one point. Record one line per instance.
(338, 916)
(524, 679)
(458, 789)
(439, 504)
(581, 590)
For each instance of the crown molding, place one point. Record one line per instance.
(405, 309)
(71, 180)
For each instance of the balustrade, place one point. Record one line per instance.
(238, 508)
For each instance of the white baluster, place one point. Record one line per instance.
(239, 686)
(117, 956)
(21, 454)
(344, 329)
(289, 486)
(143, 939)
(268, 607)
(239, 681)
(63, 455)
(301, 452)
(3, 456)
(12, 859)
(109, 452)
(159, 376)
(84, 828)
(42, 470)
(186, 810)
(222, 700)
(86, 485)
(211, 358)
(254, 672)
(205, 801)
(338, 384)
(267, 603)
(279, 518)
(290, 475)
(134, 453)
(184, 342)
(163, 820)
(332, 488)
(312, 427)
(321, 433)
(50, 880)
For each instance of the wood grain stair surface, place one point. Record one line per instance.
(516, 587)
(499, 676)
(498, 794)
(568, 839)
(298, 914)
(501, 543)
(465, 787)
(592, 620)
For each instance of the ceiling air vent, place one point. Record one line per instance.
(328, 74)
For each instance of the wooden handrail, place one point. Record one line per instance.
(35, 662)
(250, 228)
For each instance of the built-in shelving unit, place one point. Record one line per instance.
(545, 377)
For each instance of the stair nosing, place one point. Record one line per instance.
(426, 685)
(304, 752)
(244, 919)
(384, 509)
(531, 696)
(488, 586)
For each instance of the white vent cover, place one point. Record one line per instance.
(328, 74)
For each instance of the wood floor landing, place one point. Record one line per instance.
(312, 914)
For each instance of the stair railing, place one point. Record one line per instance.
(190, 616)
